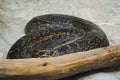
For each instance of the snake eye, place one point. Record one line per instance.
(42, 53)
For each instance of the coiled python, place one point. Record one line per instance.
(57, 34)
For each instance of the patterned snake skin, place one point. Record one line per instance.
(57, 34)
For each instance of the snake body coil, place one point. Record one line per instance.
(57, 34)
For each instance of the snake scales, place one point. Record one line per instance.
(57, 34)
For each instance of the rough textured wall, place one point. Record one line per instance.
(14, 14)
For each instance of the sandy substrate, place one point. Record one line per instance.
(14, 14)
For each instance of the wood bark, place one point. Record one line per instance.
(59, 67)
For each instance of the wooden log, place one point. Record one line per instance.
(59, 67)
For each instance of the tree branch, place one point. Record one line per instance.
(59, 67)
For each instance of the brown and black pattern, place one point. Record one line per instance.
(57, 34)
